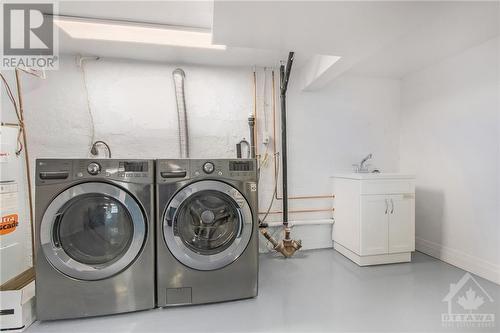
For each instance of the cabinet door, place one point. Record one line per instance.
(401, 223)
(374, 224)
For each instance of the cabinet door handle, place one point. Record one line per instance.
(386, 206)
(392, 206)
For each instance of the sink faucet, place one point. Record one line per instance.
(362, 167)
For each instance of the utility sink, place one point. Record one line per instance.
(373, 175)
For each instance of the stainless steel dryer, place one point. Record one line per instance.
(207, 241)
(94, 237)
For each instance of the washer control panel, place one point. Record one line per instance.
(50, 171)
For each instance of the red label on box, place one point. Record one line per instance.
(9, 224)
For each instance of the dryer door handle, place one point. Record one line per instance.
(173, 174)
(54, 175)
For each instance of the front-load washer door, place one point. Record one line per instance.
(207, 225)
(92, 231)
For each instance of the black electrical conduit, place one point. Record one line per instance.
(284, 76)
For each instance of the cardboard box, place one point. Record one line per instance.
(17, 308)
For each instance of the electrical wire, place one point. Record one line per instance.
(33, 72)
(12, 99)
(94, 151)
(10, 94)
(275, 189)
(264, 100)
(89, 108)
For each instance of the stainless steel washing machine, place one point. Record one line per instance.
(207, 241)
(94, 237)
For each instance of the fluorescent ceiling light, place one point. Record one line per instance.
(120, 31)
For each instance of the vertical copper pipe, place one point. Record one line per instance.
(253, 134)
(274, 129)
(27, 159)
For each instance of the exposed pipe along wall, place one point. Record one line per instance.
(179, 76)
(287, 247)
(277, 196)
(107, 78)
(284, 77)
(266, 136)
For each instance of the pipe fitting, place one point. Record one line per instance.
(287, 247)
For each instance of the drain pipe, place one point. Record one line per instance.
(284, 76)
(287, 247)
(251, 126)
(179, 77)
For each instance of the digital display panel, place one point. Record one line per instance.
(134, 166)
(240, 166)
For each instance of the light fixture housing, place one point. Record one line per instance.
(132, 32)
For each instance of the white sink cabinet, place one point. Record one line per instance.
(374, 217)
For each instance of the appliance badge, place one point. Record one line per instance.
(240, 200)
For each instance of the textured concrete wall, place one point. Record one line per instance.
(134, 110)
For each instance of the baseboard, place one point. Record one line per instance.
(379, 259)
(459, 259)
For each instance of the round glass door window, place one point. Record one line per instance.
(208, 222)
(92, 231)
(207, 225)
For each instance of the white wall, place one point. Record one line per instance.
(330, 129)
(450, 139)
(133, 104)
(15, 247)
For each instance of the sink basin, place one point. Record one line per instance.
(382, 175)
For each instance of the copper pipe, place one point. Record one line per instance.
(26, 157)
(254, 129)
(326, 196)
(302, 211)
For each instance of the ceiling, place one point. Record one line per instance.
(388, 39)
(339, 28)
(459, 26)
(196, 14)
(232, 56)
(183, 13)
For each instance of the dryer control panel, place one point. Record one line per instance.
(178, 169)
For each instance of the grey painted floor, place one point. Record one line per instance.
(314, 291)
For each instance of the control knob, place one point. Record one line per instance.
(93, 168)
(208, 167)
